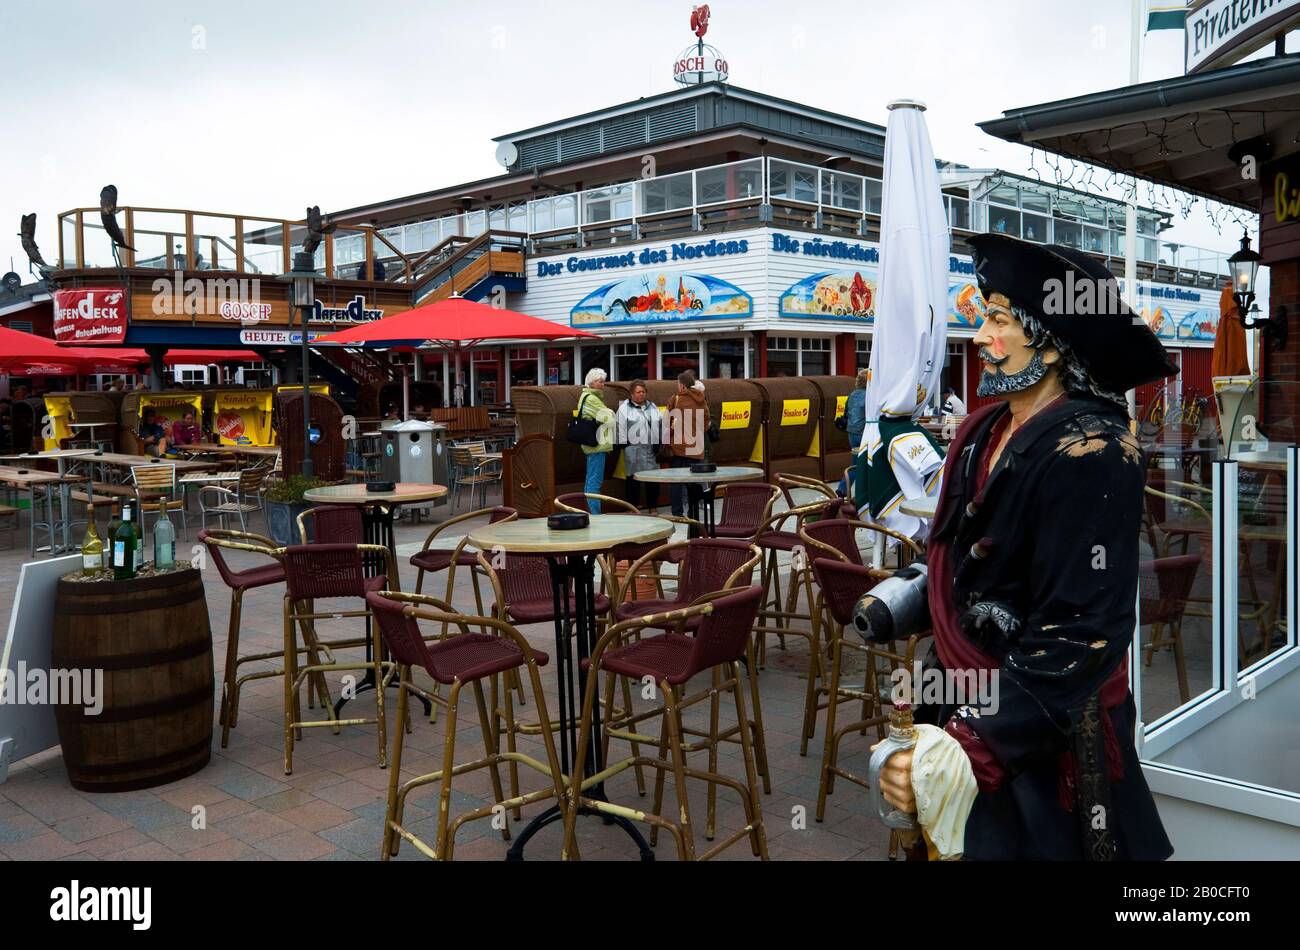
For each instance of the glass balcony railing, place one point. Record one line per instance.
(733, 194)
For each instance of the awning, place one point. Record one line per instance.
(207, 357)
(1189, 132)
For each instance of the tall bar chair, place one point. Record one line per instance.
(709, 568)
(521, 585)
(466, 657)
(670, 660)
(323, 571)
(434, 557)
(835, 538)
(218, 543)
(842, 585)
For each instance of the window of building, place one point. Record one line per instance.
(559, 366)
(726, 358)
(630, 361)
(840, 190)
(608, 204)
(523, 367)
(669, 193)
(875, 194)
(816, 355)
(1004, 221)
(862, 356)
(679, 356)
(793, 182)
(593, 356)
(1069, 233)
(1036, 228)
(782, 356)
(193, 377)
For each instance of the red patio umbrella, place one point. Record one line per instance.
(20, 350)
(455, 324)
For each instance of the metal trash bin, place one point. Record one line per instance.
(415, 451)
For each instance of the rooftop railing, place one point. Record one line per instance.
(745, 193)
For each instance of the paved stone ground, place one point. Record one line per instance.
(332, 806)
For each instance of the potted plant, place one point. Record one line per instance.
(284, 502)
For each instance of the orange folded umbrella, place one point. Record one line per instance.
(1229, 358)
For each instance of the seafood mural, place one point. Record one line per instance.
(661, 297)
(851, 295)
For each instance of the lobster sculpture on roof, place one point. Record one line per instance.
(700, 20)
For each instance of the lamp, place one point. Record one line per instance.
(303, 278)
(1244, 267)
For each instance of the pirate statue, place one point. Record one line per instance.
(1030, 581)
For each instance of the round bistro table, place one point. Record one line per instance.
(377, 512)
(704, 481)
(923, 507)
(571, 556)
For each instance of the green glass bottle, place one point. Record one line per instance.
(92, 548)
(113, 523)
(136, 522)
(124, 545)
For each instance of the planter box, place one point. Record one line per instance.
(282, 520)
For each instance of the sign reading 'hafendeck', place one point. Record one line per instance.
(90, 315)
(1224, 31)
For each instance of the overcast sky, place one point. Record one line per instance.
(264, 107)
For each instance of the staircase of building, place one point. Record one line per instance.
(470, 267)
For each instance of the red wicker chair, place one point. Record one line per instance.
(842, 585)
(465, 658)
(1164, 588)
(719, 645)
(836, 539)
(331, 524)
(436, 560)
(746, 508)
(264, 575)
(324, 572)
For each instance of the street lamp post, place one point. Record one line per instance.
(303, 276)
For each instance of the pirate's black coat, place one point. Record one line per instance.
(1053, 536)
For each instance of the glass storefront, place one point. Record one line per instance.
(630, 361)
(523, 367)
(816, 353)
(782, 356)
(679, 356)
(593, 356)
(726, 359)
(486, 376)
(559, 366)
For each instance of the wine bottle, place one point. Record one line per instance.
(164, 542)
(124, 545)
(113, 524)
(136, 526)
(92, 548)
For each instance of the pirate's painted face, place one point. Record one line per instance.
(1010, 364)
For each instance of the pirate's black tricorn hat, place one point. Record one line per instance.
(1077, 299)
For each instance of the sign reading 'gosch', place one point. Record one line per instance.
(90, 315)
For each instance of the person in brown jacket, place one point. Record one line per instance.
(688, 424)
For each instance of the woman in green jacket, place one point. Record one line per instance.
(591, 405)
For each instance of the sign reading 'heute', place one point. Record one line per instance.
(1223, 31)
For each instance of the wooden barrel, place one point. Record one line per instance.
(151, 640)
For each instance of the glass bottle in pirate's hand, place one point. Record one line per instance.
(1024, 736)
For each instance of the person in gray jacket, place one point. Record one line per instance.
(638, 427)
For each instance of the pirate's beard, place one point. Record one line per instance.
(997, 383)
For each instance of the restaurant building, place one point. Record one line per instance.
(751, 249)
(709, 227)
